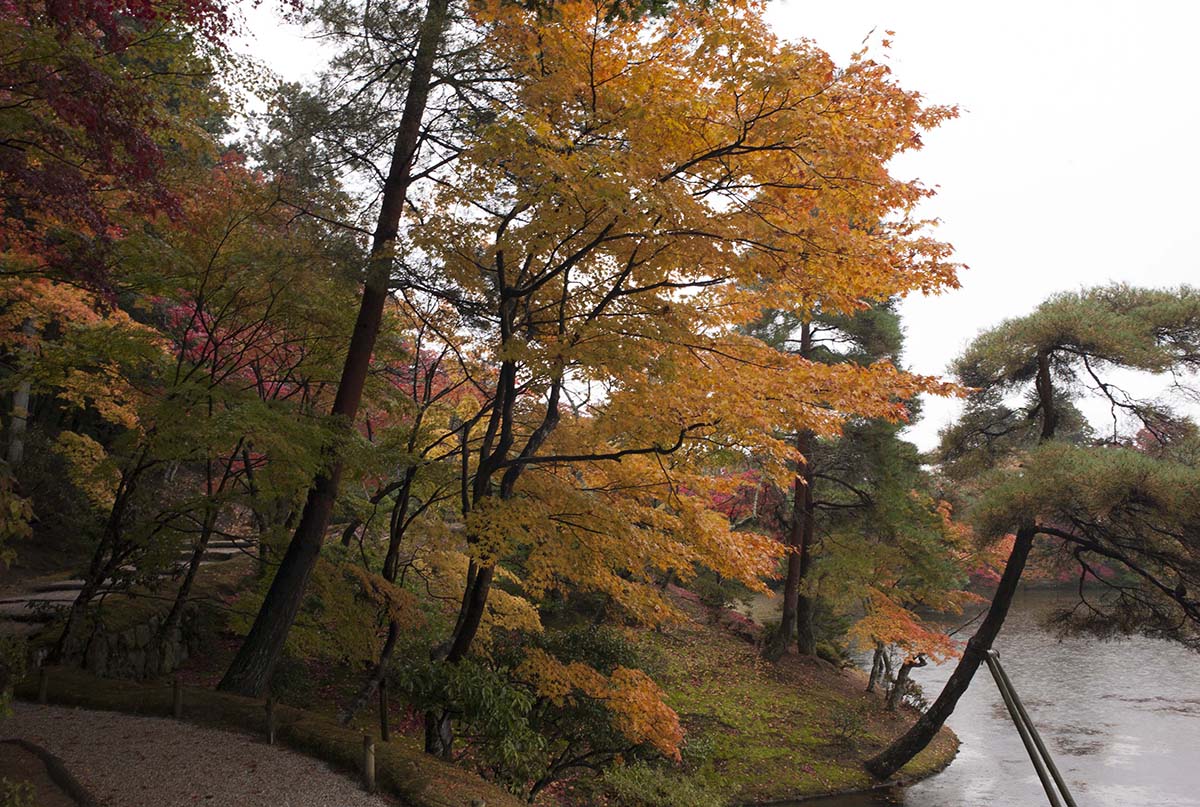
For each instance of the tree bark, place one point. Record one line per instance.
(896, 693)
(806, 637)
(20, 410)
(896, 755)
(876, 667)
(175, 615)
(375, 680)
(251, 670)
(104, 562)
(781, 640)
(796, 620)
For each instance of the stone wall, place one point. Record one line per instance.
(136, 652)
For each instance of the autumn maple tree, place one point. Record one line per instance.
(92, 98)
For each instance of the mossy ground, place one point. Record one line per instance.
(763, 731)
(756, 731)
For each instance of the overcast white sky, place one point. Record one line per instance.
(1073, 163)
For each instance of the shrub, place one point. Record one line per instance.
(645, 785)
(16, 794)
(718, 592)
(847, 723)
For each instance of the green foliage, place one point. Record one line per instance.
(13, 655)
(835, 654)
(645, 785)
(66, 519)
(494, 711)
(15, 514)
(716, 591)
(523, 738)
(1119, 325)
(17, 794)
(1121, 510)
(847, 723)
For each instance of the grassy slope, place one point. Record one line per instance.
(769, 730)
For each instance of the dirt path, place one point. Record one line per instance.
(127, 761)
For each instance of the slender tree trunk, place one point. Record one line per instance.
(439, 730)
(475, 603)
(175, 615)
(20, 410)
(876, 667)
(19, 423)
(260, 521)
(376, 678)
(892, 758)
(103, 564)
(391, 570)
(928, 724)
(251, 670)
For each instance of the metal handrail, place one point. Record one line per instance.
(1052, 781)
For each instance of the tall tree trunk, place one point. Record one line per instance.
(781, 640)
(894, 757)
(20, 410)
(251, 670)
(806, 637)
(796, 615)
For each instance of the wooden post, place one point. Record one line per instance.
(270, 720)
(43, 684)
(177, 698)
(384, 734)
(368, 763)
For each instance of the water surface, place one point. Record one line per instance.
(1121, 719)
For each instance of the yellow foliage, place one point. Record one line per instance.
(636, 702)
(88, 468)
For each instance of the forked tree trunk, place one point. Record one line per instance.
(876, 667)
(900, 685)
(251, 670)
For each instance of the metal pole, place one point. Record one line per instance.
(1033, 732)
(1038, 754)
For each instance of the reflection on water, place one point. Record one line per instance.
(1121, 718)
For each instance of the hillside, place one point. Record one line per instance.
(765, 732)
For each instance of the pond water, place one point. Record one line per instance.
(1121, 719)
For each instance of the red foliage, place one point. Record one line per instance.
(84, 124)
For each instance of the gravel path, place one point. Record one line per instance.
(128, 761)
